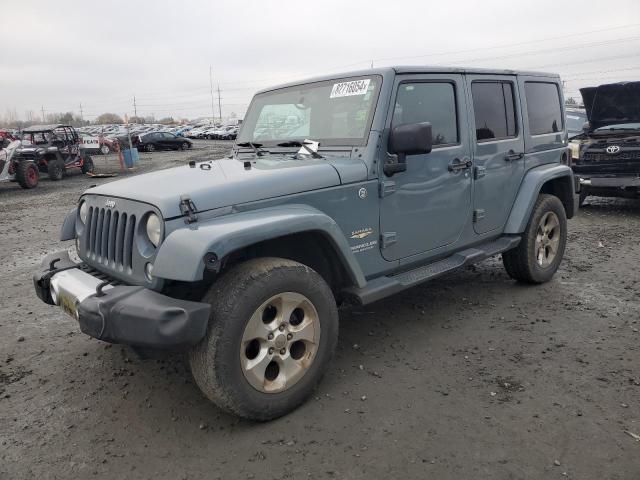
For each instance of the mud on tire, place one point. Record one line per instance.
(236, 299)
(530, 261)
(55, 169)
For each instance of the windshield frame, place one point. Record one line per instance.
(324, 142)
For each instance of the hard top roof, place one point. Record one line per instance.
(416, 69)
(44, 128)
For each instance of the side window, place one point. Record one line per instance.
(433, 102)
(543, 106)
(494, 110)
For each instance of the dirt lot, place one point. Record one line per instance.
(473, 376)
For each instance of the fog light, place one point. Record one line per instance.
(148, 271)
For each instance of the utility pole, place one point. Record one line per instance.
(43, 119)
(81, 116)
(213, 114)
(135, 108)
(219, 104)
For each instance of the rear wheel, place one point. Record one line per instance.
(150, 148)
(27, 174)
(184, 146)
(87, 164)
(104, 149)
(539, 253)
(55, 168)
(263, 355)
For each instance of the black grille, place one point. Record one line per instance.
(109, 238)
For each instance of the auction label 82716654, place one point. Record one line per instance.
(347, 89)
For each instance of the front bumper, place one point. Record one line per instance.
(609, 181)
(123, 314)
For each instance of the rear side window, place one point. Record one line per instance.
(494, 110)
(433, 102)
(543, 106)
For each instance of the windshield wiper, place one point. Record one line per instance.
(255, 146)
(305, 145)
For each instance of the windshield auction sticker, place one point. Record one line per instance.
(348, 89)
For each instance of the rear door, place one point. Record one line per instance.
(498, 148)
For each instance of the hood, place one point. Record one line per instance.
(612, 104)
(223, 183)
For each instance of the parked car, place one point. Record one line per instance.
(54, 149)
(608, 160)
(576, 118)
(224, 133)
(96, 144)
(162, 141)
(242, 261)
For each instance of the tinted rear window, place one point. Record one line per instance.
(493, 110)
(543, 105)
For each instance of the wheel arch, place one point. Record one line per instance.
(297, 232)
(553, 179)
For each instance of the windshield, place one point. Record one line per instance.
(575, 121)
(334, 112)
(620, 126)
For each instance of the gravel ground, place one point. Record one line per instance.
(471, 376)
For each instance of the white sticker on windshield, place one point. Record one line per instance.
(347, 89)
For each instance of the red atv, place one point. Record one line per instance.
(51, 149)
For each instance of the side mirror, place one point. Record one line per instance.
(409, 139)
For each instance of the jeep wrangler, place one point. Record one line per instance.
(53, 149)
(606, 155)
(353, 187)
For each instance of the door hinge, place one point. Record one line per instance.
(387, 188)
(479, 172)
(387, 239)
(478, 215)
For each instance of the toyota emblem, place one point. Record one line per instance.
(613, 149)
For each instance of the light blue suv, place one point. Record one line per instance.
(346, 187)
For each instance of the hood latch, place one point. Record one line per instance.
(188, 209)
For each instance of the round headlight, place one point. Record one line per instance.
(153, 229)
(84, 210)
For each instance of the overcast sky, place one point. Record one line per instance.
(58, 54)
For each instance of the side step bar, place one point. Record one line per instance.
(384, 286)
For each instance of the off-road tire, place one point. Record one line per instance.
(215, 361)
(520, 262)
(27, 174)
(87, 165)
(55, 169)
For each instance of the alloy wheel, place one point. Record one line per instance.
(280, 342)
(547, 239)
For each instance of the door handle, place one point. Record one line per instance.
(459, 164)
(511, 156)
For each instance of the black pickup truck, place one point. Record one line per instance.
(608, 163)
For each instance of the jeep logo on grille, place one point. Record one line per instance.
(613, 149)
(110, 203)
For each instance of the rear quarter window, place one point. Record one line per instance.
(543, 107)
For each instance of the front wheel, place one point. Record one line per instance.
(539, 253)
(27, 174)
(150, 148)
(184, 146)
(272, 332)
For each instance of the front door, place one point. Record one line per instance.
(498, 148)
(427, 206)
